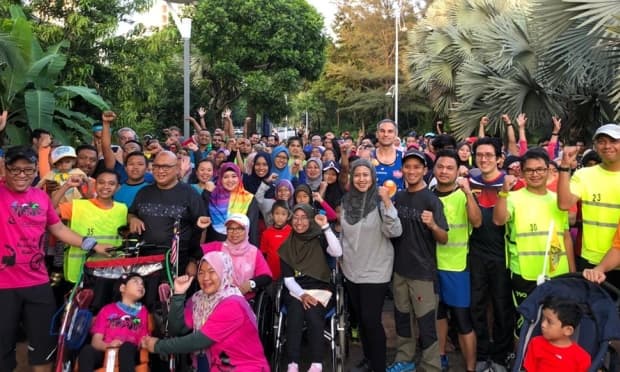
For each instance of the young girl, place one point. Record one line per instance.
(275, 235)
(121, 325)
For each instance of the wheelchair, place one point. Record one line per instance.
(335, 329)
(74, 319)
(263, 306)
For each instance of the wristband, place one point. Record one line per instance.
(88, 243)
(509, 125)
(502, 194)
(325, 228)
(564, 169)
(555, 133)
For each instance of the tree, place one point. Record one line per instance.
(30, 92)
(258, 49)
(478, 58)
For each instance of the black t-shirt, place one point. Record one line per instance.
(415, 250)
(159, 209)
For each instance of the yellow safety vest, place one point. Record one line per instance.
(600, 209)
(87, 219)
(527, 233)
(452, 256)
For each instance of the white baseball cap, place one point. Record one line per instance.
(612, 130)
(239, 218)
(62, 152)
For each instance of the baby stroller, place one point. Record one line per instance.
(599, 328)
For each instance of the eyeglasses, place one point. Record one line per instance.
(17, 171)
(538, 171)
(164, 167)
(487, 155)
(234, 229)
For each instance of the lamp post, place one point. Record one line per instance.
(396, 31)
(185, 29)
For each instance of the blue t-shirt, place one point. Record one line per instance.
(127, 193)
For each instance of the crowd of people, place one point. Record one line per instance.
(458, 233)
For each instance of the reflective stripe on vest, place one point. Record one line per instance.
(528, 231)
(87, 219)
(452, 256)
(600, 207)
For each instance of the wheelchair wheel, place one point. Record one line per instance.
(263, 308)
(278, 342)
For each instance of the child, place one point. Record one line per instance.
(63, 160)
(275, 235)
(554, 350)
(120, 325)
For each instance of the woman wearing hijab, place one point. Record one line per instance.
(368, 221)
(307, 278)
(279, 160)
(312, 174)
(230, 197)
(251, 271)
(221, 325)
(261, 170)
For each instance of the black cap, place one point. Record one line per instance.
(415, 154)
(20, 152)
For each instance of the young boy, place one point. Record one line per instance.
(273, 237)
(63, 159)
(99, 217)
(554, 350)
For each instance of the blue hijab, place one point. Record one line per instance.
(283, 173)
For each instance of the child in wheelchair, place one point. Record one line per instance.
(121, 324)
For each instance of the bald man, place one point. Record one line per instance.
(156, 208)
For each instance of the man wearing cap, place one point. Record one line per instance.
(597, 188)
(415, 266)
(25, 293)
(386, 158)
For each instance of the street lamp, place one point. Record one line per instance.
(185, 29)
(397, 29)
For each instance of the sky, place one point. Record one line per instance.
(327, 8)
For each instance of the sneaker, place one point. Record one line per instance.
(445, 365)
(292, 367)
(316, 367)
(401, 367)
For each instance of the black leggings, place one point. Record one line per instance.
(91, 359)
(367, 301)
(315, 320)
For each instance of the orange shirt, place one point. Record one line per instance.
(66, 209)
(615, 243)
(44, 161)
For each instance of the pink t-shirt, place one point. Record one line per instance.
(24, 218)
(243, 270)
(115, 324)
(232, 327)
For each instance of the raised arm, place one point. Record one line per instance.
(522, 122)
(109, 159)
(510, 133)
(484, 121)
(565, 198)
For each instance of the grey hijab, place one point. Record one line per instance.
(316, 182)
(358, 204)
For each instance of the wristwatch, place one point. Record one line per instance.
(252, 285)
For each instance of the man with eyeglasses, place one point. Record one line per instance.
(531, 216)
(156, 208)
(490, 279)
(25, 293)
(597, 188)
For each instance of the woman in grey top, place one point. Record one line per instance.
(368, 222)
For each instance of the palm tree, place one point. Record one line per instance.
(547, 57)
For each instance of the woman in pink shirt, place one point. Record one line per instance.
(218, 323)
(250, 269)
